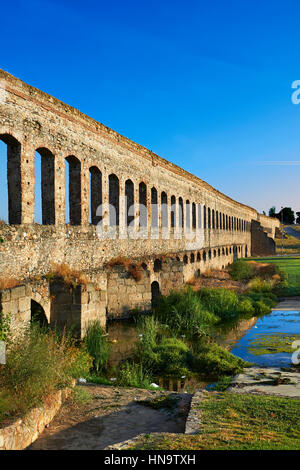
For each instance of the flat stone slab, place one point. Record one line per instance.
(290, 304)
(267, 381)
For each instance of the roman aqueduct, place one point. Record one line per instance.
(154, 215)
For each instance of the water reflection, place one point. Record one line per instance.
(123, 335)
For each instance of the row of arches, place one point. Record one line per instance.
(154, 208)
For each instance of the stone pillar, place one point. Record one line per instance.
(59, 185)
(85, 194)
(21, 208)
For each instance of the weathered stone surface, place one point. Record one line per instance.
(209, 229)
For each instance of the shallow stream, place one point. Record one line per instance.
(265, 341)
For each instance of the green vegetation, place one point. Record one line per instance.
(80, 396)
(236, 422)
(37, 363)
(184, 313)
(133, 375)
(272, 344)
(4, 327)
(290, 266)
(172, 357)
(96, 344)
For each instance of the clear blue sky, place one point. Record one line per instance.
(206, 85)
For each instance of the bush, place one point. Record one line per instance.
(241, 270)
(260, 285)
(172, 358)
(133, 375)
(96, 344)
(37, 363)
(184, 313)
(224, 303)
(214, 361)
(5, 324)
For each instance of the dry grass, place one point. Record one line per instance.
(8, 282)
(70, 276)
(135, 270)
(290, 244)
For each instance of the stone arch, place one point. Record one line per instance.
(46, 194)
(185, 259)
(173, 211)
(194, 216)
(198, 256)
(38, 314)
(181, 212)
(73, 173)
(129, 203)
(157, 265)
(14, 187)
(204, 256)
(95, 184)
(187, 215)
(114, 200)
(143, 205)
(192, 258)
(209, 218)
(155, 292)
(204, 217)
(154, 208)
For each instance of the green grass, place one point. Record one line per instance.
(236, 422)
(291, 267)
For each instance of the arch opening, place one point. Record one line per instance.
(95, 194)
(73, 190)
(11, 179)
(114, 200)
(38, 314)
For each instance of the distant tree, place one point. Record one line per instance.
(272, 212)
(264, 213)
(298, 218)
(286, 215)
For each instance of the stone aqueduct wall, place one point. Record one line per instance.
(104, 168)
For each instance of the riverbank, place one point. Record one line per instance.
(228, 421)
(111, 415)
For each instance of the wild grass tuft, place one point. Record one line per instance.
(96, 344)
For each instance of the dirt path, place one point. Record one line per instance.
(113, 415)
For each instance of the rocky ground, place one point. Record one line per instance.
(112, 415)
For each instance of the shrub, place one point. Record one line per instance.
(260, 285)
(223, 303)
(184, 313)
(5, 324)
(172, 358)
(96, 344)
(241, 270)
(214, 361)
(133, 375)
(37, 363)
